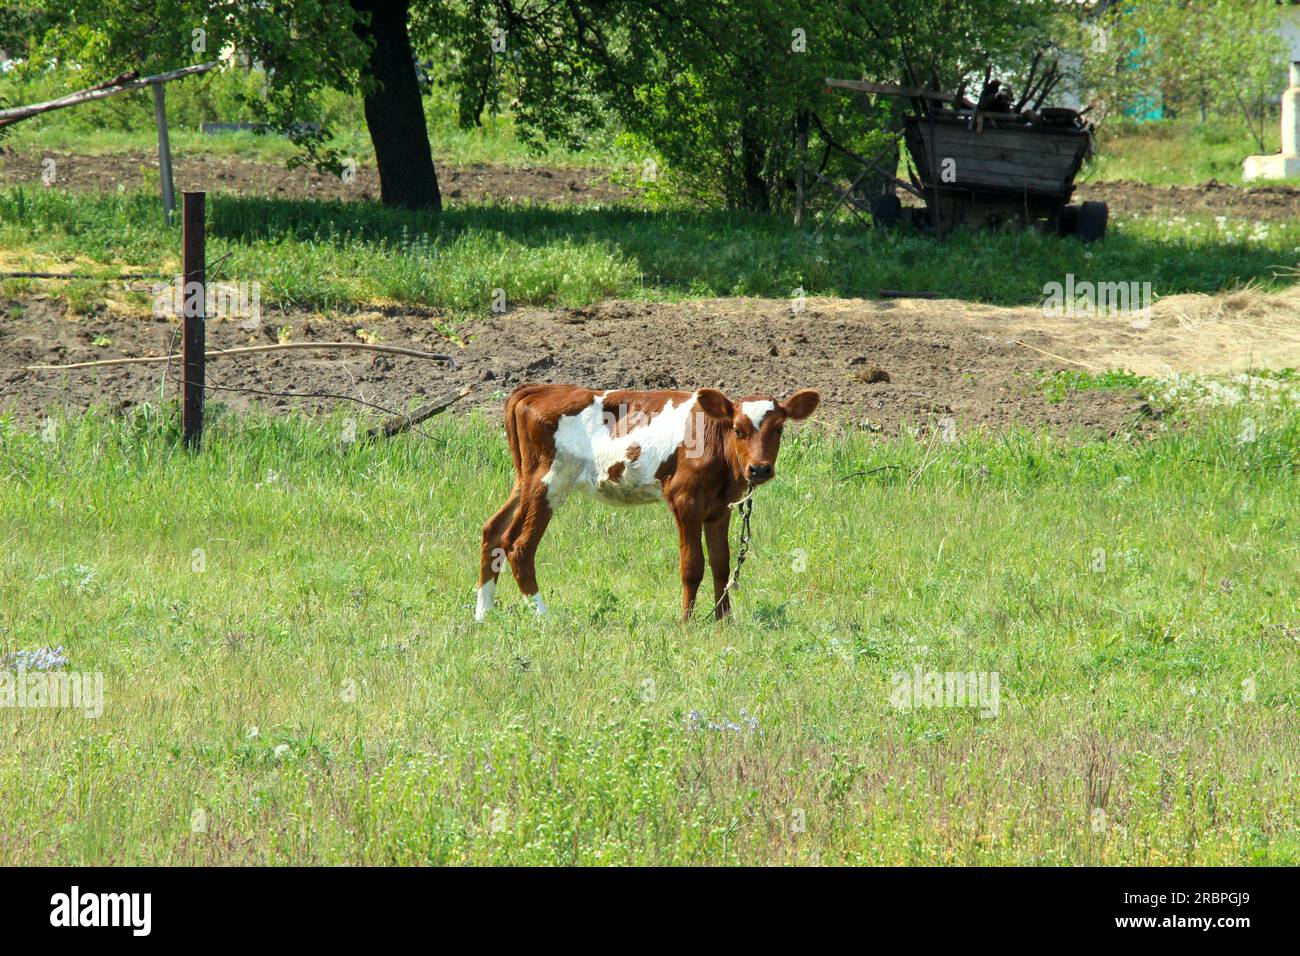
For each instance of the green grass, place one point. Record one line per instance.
(1059, 383)
(327, 254)
(494, 142)
(1178, 152)
(1123, 592)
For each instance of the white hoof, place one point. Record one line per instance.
(484, 604)
(536, 603)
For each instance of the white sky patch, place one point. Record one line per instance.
(757, 410)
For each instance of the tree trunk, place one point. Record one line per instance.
(752, 151)
(801, 144)
(394, 110)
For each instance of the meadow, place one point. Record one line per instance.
(284, 626)
(292, 674)
(1179, 152)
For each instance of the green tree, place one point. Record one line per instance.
(1208, 56)
(303, 46)
(726, 92)
(722, 90)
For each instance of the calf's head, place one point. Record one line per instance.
(753, 427)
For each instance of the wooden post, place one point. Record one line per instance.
(934, 179)
(193, 318)
(164, 151)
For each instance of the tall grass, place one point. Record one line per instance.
(1178, 152)
(318, 693)
(327, 254)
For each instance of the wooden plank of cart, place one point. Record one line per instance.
(989, 169)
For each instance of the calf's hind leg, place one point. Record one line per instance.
(524, 535)
(494, 553)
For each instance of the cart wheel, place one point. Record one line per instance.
(1091, 224)
(886, 210)
(1067, 220)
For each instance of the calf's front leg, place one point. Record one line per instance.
(692, 561)
(715, 536)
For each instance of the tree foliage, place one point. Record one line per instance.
(720, 89)
(302, 46)
(1202, 56)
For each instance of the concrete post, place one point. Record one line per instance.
(1287, 163)
(1291, 115)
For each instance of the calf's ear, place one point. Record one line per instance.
(714, 404)
(802, 403)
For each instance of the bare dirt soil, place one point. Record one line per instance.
(1212, 199)
(976, 363)
(232, 174)
(544, 184)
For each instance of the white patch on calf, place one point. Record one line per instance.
(536, 603)
(757, 410)
(586, 449)
(485, 593)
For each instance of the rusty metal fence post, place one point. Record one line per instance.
(193, 316)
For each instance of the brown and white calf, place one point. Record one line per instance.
(696, 451)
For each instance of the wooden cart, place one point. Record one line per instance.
(997, 173)
(987, 169)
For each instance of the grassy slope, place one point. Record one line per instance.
(530, 741)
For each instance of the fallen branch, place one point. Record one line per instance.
(247, 350)
(401, 423)
(212, 268)
(79, 275)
